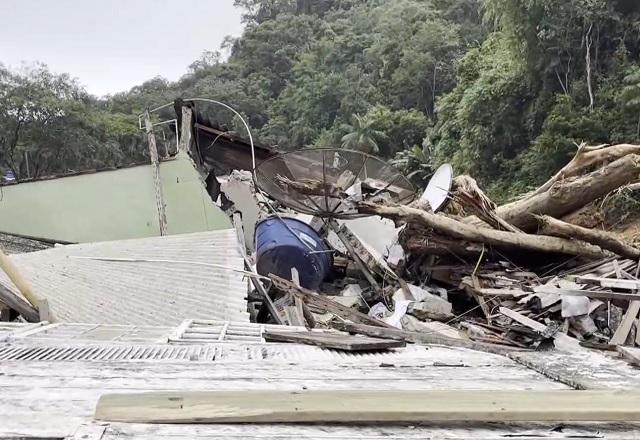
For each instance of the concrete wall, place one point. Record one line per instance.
(110, 205)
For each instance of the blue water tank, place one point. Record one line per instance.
(284, 243)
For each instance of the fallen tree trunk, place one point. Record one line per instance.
(587, 157)
(456, 229)
(558, 228)
(418, 240)
(566, 196)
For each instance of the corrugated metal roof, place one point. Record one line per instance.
(57, 372)
(141, 293)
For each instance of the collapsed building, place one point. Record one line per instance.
(227, 282)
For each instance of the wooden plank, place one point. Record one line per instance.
(15, 302)
(155, 166)
(562, 341)
(622, 332)
(294, 316)
(43, 310)
(325, 303)
(25, 308)
(611, 283)
(425, 338)
(337, 341)
(632, 355)
(5, 313)
(355, 256)
(589, 293)
(502, 293)
(369, 406)
(186, 129)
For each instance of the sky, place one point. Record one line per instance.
(113, 45)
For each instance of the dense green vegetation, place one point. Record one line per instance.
(503, 89)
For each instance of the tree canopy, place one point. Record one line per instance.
(503, 89)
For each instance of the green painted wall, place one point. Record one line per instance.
(110, 205)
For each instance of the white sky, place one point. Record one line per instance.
(113, 45)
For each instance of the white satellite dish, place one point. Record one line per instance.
(438, 187)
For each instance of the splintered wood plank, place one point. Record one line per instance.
(335, 341)
(613, 283)
(369, 406)
(324, 303)
(632, 355)
(621, 333)
(561, 341)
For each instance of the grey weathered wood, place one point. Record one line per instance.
(369, 406)
(12, 300)
(622, 332)
(632, 355)
(185, 130)
(589, 293)
(609, 282)
(43, 310)
(325, 303)
(558, 228)
(255, 280)
(426, 338)
(5, 313)
(356, 258)
(562, 341)
(501, 293)
(337, 341)
(155, 165)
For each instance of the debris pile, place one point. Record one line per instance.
(469, 274)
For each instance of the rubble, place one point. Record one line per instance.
(478, 271)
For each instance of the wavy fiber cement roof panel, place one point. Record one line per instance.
(141, 293)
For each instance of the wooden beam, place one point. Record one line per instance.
(23, 286)
(324, 303)
(562, 341)
(622, 332)
(13, 301)
(155, 166)
(424, 338)
(588, 293)
(356, 258)
(612, 283)
(605, 240)
(369, 406)
(333, 340)
(186, 129)
(454, 228)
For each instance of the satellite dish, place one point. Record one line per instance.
(328, 182)
(438, 187)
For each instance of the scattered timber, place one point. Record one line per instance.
(423, 338)
(324, 303)
(333, 340)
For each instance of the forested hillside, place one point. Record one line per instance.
(503, 89)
